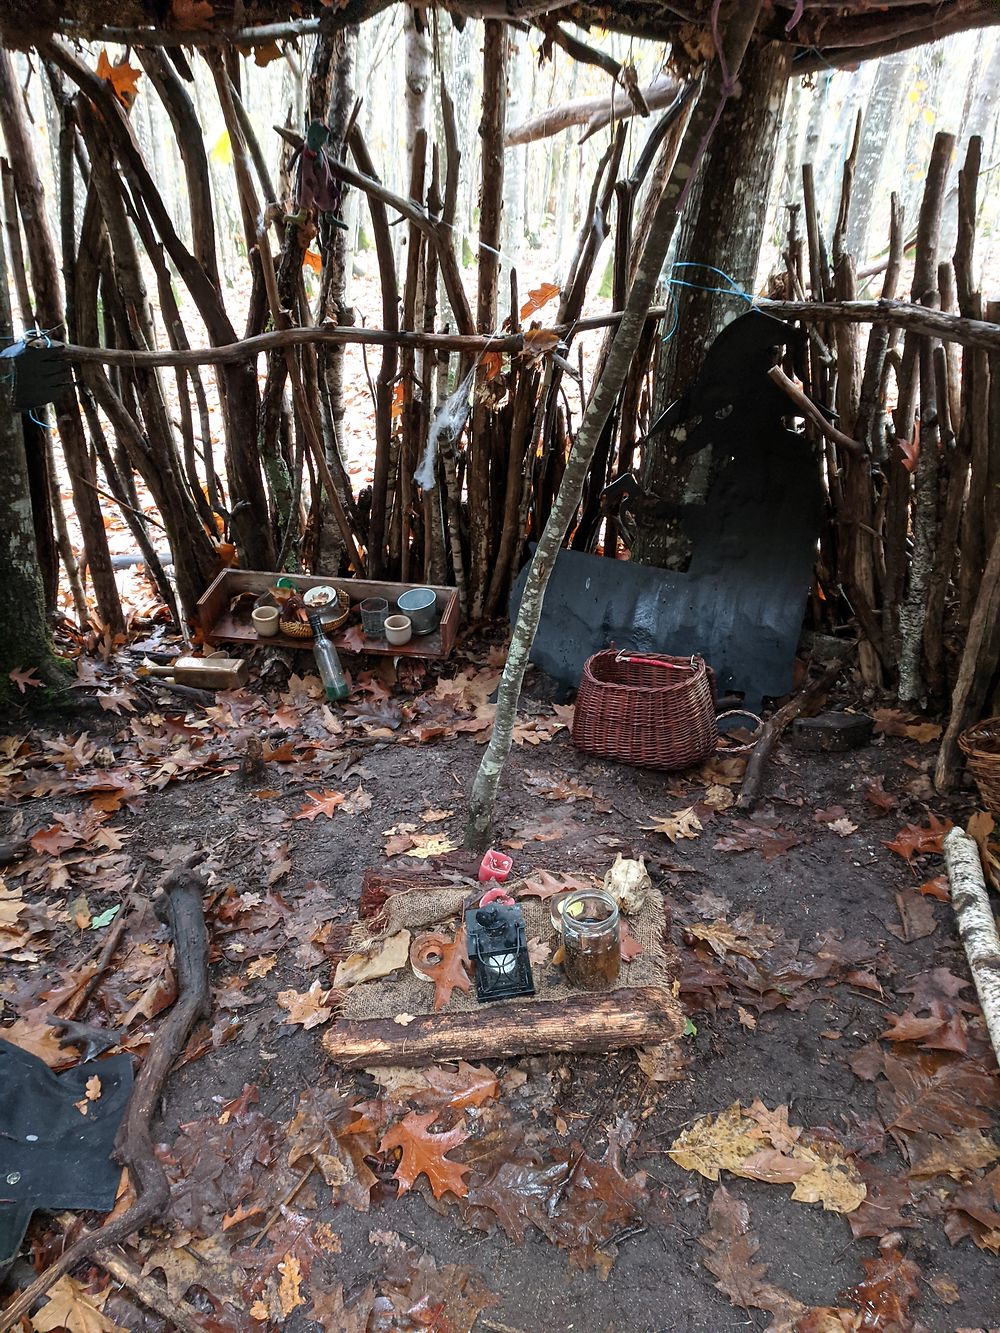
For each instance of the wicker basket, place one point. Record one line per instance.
(650, 710)
(332, 619)
(981, 746)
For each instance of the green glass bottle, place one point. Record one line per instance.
(330, 671)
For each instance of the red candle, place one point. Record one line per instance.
(495, 866)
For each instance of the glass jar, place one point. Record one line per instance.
(592, 951)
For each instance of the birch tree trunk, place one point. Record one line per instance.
(739, 26)
(417, 74)
(515, 158)
(878, 123)
(976, 925)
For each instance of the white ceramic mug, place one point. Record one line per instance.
(265, 621)
(398, 630)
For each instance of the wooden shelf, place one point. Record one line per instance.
(219, 625)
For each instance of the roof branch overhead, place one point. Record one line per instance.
(821, 32)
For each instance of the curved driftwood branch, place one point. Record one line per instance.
(976, 925)
(774, 728)
(182, 909)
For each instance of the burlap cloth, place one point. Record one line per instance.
(420, 910)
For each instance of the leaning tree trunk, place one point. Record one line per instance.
(24, 640)
(482, 799)
(722, 226)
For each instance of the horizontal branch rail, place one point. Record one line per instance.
(900, 314)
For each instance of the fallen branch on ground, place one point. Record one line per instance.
(754, 777)
(181, 907)
(976, 926)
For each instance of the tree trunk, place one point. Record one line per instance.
(878, 123)
(723, 226)
(491, 129)
(418, 72)
(704, 119)
(515, 157)
(49, 308)
(333, 290)
(24, 640)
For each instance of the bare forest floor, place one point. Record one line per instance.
(806, 950)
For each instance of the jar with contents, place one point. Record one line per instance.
(592, 951)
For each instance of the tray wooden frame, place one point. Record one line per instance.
(218, 626)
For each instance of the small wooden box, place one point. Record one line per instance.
(218, 625)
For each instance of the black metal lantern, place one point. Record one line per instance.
(498, 948)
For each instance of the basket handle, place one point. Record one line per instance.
(748, 745)
(623, 656)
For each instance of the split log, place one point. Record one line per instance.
(976, 925)
(607, 1022)
(181, 906)
(776, 725)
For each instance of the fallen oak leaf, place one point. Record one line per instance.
(53, 840)
(122, 77)
(425, 845)
(912, 840)
(307, 1009)
(323, 803)
(748, 835)
(876, 794)
(889, 1286)
(23, 678)
(681, 824)
(70, 1306)
(423, 1153)
(539, 952)
(916, 917)
(444, 962)
(892, 722)
(537, 297)
(937, 888)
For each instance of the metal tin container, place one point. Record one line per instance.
(420, 604)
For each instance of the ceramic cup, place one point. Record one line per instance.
(265, 621)
(398, 630)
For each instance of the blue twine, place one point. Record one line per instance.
(44, 424)
(734, 289)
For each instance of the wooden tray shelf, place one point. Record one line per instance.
(218, 625)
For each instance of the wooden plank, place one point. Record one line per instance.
(607, 1022)
(218, 626)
